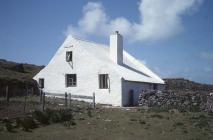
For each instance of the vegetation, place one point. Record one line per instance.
(82, 122)
(184, 84)
(17, 77)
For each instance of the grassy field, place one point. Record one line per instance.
(106, 123)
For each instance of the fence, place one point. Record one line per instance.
(18, 105)
(67, 98)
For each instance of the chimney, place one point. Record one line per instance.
(116, 48)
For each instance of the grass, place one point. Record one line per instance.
(118, 123)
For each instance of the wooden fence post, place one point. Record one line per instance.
(25, 99)
(43, 101)
(54, 102)
(69, 96)
(7, 95)
(94, 100)
(41, 96)
(66, 99)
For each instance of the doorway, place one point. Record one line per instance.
(131, 97)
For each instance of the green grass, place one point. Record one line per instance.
(120, 124)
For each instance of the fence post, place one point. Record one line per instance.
(7, 95)
(25, 99)
(43, 101)
(41, 96)
(69, 96)
(66, 99)
(54, 102)
(94, 100)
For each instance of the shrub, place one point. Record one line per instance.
(8, 126)
(178, 124)
(18, 122)
(41, 117)
(28, 123)
(195, 108)
(157, 116)
(89, 112)
(65, 115)
(133, 119)
(202, 122)
(142, 122)
(69, 123)
(55, 117)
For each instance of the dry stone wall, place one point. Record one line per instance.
(181, 100)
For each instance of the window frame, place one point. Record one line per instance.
(103, 80)
(73, 83)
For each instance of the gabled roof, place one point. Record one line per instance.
(131, 70)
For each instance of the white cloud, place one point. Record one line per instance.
(159, 19)
(207, 55)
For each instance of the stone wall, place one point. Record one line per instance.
(181, 100)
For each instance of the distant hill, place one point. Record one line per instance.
(17, 76)
(18, 71)
(184, 84)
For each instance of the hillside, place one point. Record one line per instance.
(17, 76)
(184, 84)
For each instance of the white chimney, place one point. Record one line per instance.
(116, 48)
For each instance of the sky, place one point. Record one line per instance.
(174, 38)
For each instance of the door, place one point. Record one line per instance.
(131, 97)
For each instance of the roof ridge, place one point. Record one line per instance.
(85, 40)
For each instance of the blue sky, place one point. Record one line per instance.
(173, 38)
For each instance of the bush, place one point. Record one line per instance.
(18, 122)
(28, 123)
(69, 123)
(178, 124)
(55, 117)
(142, 121)
(157, 116)
(66, 115)
(41, 117)
(89, 112)
(8, 126)
(202, 122)
(195, 108)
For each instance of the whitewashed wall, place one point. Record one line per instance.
(87, 64)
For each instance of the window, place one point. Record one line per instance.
(41, 82)
(103, 81)
(71, 80)
(69, 56)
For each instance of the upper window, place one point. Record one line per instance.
(69, 56)
(71, 80)
(103, 81)
(41, 82)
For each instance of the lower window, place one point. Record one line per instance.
(41, 82)
(103, 81)
(71, 80)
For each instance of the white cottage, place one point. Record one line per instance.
(82, 67)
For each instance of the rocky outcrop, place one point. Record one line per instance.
(181, 100)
